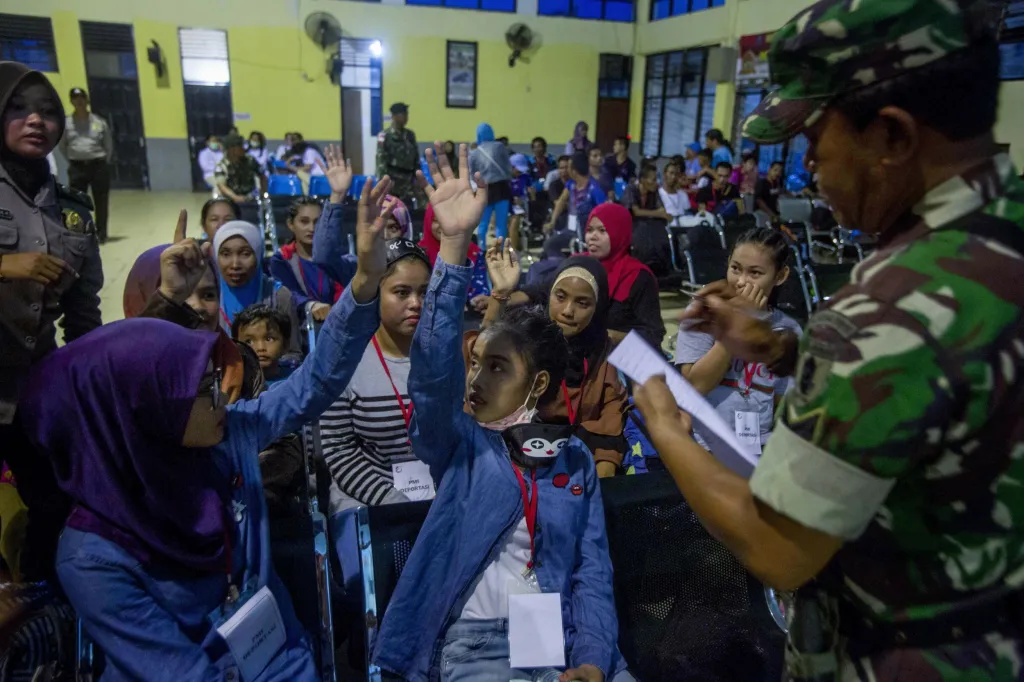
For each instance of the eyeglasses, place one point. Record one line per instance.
(211, 383)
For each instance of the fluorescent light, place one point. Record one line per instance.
(376, 48)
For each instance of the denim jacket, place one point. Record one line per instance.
(330, 246)
(150, 620)
(478, 506)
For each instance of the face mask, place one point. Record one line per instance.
(214, 147)
(523, 415)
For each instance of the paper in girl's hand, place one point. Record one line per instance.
(637, 360)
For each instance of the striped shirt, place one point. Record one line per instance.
(363, 433)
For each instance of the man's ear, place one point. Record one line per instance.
(900, 136)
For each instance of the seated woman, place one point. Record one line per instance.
(312, 287)
(745, 394)
(238, 257)
(209, 158)
(479, 288)
(400, 224)
(631, 284)
(591, 395)
(215, 213)
(258, 150)
(168, 539)
(488, 536)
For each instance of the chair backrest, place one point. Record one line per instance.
(795, 210)
(794, 296)
(357, 185)
(319, 186)
(736, 225)
(829, 278)
(687, 609)
(284, 185)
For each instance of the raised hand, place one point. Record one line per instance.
(371, 217)
(456, 206)
(338, 171)
(182, 266)
(179, 229)
(503, 267)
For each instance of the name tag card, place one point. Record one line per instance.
(535, 635)
(748, 432)
(254, 633)
(413, 479)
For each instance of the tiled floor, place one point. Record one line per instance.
(140, 220)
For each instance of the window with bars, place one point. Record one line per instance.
(614, 78)
(485, 5)
(679, 101)
(663, 9)
(607, 10)
(204, 56)
(791, 153)
(28, 40)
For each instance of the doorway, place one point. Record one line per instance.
(207, 76)
(613, 85)
(362, 116)
(113, 85)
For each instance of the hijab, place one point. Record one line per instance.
(234, 300)
(586, 349)
(110, 410)
(622, 268)
(484, 133)
(28, 174)
(579, 140)
(432, 246)
(402, 215)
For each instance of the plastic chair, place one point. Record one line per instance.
(319, 186)
(357, 185)
(620, 188)
(284, 186)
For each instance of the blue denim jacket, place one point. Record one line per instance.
(151, 621)
(330, 246)
(478, 505)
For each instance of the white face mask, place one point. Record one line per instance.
(522, 415)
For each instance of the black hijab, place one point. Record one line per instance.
(592, 344)
(29, 174)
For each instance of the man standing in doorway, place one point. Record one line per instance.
(88, 146)
(398, 156)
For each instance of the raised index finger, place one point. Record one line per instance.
(180, 228)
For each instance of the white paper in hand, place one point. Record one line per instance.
(255, 633)
(637, 360)
(535, 636)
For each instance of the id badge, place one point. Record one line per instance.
(413, 480)
(748, 431)
(535, 635)
(255, 633)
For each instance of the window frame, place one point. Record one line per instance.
(443, 4)
(571, 14)
(712, 4)
(46, 41)
(701, 96)
(226, 59)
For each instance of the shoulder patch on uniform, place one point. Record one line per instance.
(380, 137)
(69, 194)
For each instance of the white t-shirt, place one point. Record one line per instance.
(676, 204)
(504, 576)
(208, 160)
(309, 158)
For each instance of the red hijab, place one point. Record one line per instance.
(430, 243)
(622, 268)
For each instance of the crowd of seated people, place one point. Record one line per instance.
(170, 440)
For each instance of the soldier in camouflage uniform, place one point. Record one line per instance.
(399, 157)
(891, 492)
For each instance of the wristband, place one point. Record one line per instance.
(500, 298)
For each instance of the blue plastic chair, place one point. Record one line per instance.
(357, 185)
(319, 186)
(620, 188)
(284, 186)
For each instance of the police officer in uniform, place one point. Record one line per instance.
(891, 492)
(399, 157)
(49, 268)
(88, 145)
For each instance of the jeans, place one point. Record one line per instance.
(500, 211)
(478, 651)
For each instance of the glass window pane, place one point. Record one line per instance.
(707, 114)
(656, 66)
(680, 7)
(680, 126)
(205, 71)
(661, 9)
(718, 3)
(675, 63)
(587, 9)
(797, 152)
(618, 11)
(655, 88)
(699, 5)
(462, 4)
(499, 5)
(435, 3)
(652, 127)
(558, 8)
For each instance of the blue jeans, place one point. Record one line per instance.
(478, 651)
(500, 211)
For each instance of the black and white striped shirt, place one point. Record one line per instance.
(364, 432)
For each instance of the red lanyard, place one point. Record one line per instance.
(406, 413)
(579, 403)
(749, 370)
(227, 322)
(529, 507)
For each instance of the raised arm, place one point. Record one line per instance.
(437, 369)
(330, 245)
(504, 270)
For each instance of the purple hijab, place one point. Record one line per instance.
(110, 410)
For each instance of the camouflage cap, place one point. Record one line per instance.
(836, 46)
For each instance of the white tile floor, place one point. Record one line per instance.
(140, 220)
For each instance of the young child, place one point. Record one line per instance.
(745, 394)
(266, 331)
(313, 289)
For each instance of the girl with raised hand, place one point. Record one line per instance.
(745, 394)
(168, 540)
(313, 290)
(491, 538)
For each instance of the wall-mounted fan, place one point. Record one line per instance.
(323, 29)
(519, 38)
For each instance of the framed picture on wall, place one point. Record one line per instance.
(460, 75)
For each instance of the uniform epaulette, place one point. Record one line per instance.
(74, 196)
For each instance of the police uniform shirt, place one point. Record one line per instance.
(87, 140)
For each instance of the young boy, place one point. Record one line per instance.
(266, 331)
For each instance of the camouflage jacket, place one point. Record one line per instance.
(397, 153)
(240, 176)
(903, 434)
